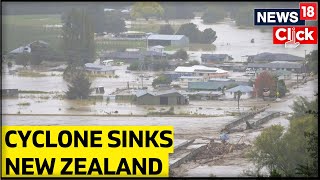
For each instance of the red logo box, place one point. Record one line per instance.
(301, 34)
(308, 11)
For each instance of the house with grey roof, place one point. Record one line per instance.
(246, 92)
(269, 57)
(277, 65)
(209, 59)
(161, 97)
(132, 56)
(99, 69)
(206, 86)
(168, 40)
(28, 48)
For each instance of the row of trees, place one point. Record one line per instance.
(214, 14)
(190, 30)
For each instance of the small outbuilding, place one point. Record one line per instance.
(163, 97)
(168, 40)
(245, 90)
(208, 59)
(99, 69)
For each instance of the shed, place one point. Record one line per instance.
(132, 56)
(245, 90)
(273, 66)
(205, 86)
(215, 58)
(163, 97)
(158, 49)
(168, 40)
(269, 57)
(28, 48)
(99, 69)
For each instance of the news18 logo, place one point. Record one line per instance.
(289, 24)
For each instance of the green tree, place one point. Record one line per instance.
(208, 36)
(78, 37)
(134, 66)
(190, 30)
(146, 10)
(282, 89)
(181, 54)
(301, 106)
(265, 80)
(166, 29)
(312, 61)
(214, 14)
(160, 65)
(9, 64)
(23, 59)
(162, 79)
(96, 12)
(310, 169)
(239, 93)
(79, 87)
(36, 58)
(244, 16)
(114, 23)
(173, 11)
(286, 152)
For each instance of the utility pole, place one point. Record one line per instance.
(142, 81)
(297, 80)
(305, 62)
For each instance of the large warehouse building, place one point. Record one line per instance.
(168, 40)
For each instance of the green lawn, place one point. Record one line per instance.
(120, 44)
(18, 30)
(152, 27)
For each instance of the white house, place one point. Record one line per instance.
(99, 69)
(184, 80)
(158, 48)
(199, 70)
(245, 90)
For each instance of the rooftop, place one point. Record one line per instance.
(219, 57)
(131, 54)
(266, 56)
(140, 93)
(27, 48)
(274, 65)
(205, 85)
(97, 67)
(191, 77)
(165, 37)
(241, 88)
(221, 79)
(195, 68)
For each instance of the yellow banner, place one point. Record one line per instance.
(86, 151)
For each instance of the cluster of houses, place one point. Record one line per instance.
(209, 81)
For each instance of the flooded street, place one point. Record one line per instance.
(57, 84)
(186, 127)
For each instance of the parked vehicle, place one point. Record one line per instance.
(250, 72)
(107, 62)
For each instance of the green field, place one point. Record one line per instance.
(151, 27)
(18, 30)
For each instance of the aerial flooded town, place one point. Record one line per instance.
(234, 98)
